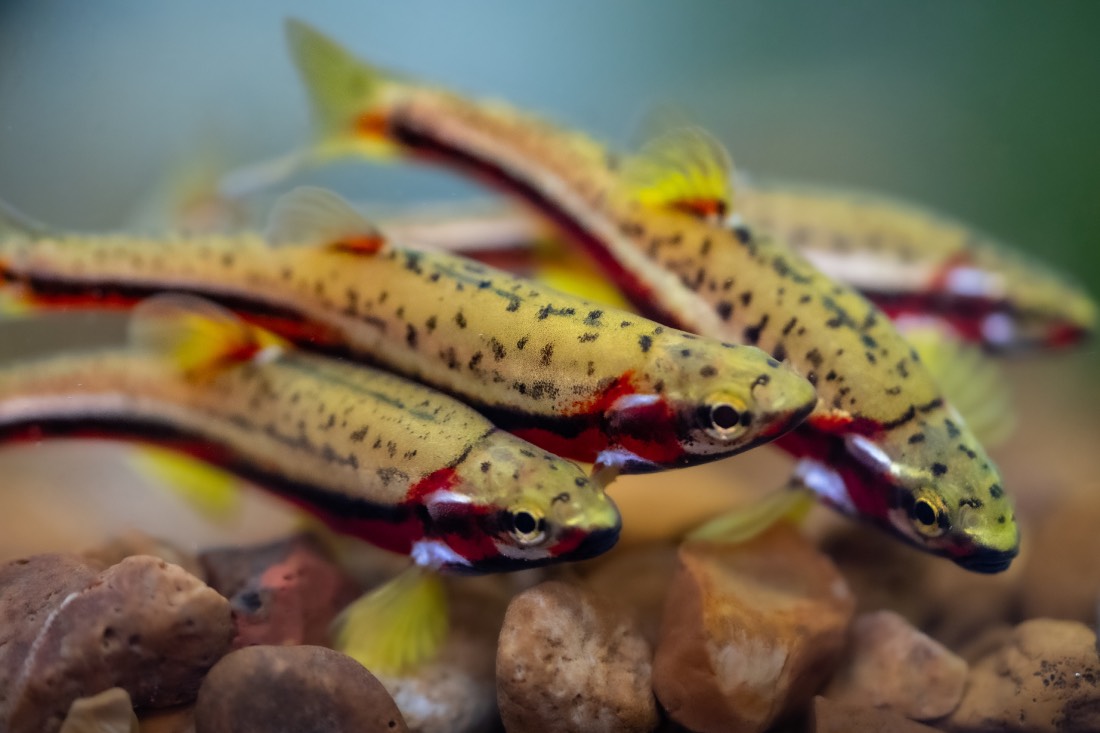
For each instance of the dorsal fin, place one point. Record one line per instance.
(971, 382)
(196, 335)
(684, 169)
(311, 215)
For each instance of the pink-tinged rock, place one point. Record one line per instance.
(30, 589)
(638, 579)
(570, 660)
(1045, 679)
(136, 542)
(829, 716)
(750, 632)
(304, 689)
(144, 625)
(892, 666)
(285, 592)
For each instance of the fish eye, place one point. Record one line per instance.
(929, 516)
(725, 421)
(528, 528)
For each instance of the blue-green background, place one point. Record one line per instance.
(986, 110)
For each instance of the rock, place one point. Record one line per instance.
(1062, 577)
(750, 631)
(296, 689)
(890, 665)
(144, 625)
(1045, 678)
(108, 712)
(136, 542)
(829, 716)
(30, 589)
(285, 592)
(456, 691)
(638, 579)
(948, 603)
(569, 660)
(985, 643)
(172, 720)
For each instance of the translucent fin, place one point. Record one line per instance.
(111, 711)
(347, 95)
(396, 626)
(212, 492)
(13, 221)
(684, 169)
(971, 382)
(742, 524)
(311, 215)
(197, 335)
(250, 179)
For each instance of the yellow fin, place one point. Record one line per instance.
(212, 492)
(971, 382)
(396, 626)
(197, 335)
(311, 215)
(744, 523)
(347, 95)
(685, 169)
(15, 222)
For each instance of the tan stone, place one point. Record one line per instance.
(570, 660)
(890, 665)
(829, 716)
(750, 632)
(638, 579)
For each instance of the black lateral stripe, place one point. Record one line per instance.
(152, 432)
(907, 416)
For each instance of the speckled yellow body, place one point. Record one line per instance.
(881, 443)
(372, 454)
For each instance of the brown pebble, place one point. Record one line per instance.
(136, 542)
(569, 660)
(829, 716)
(638, 579)
(293, 689)
(285, 592)
(750, 631)
(30, 588)
(890, 665)
(1044, 679)
(144, 625)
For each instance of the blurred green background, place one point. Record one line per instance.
(987, 111)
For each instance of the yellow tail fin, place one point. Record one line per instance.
(742, 524)
(684, 169)
(212, 492)
(197, 335)
(396, 626)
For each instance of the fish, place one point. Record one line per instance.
(370, 454)
(583, 381)
(915, 263)
(882, 443)
(918, 267)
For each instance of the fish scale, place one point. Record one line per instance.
(882, 442)
(589, 382)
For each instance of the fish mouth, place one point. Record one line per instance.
(596, 542)
(987, 561)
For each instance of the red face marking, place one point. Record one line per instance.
(442, 479)
(708, 209)
(364, 244)
(372, 124)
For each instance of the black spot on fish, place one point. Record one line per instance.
(707, 371)
(498, 349)
(902, 369)
(546, 355)
(460, 319)
(727, 284)
(746, 297)
(938, 469)
(803, 300)
(742, 233)
(434, 277)
(626, 324)
(772, 363)
(591, 368)
(971, 501)
(388, 474)
(645, 342)
(360, 435)
(969, 453)
(916, 438)
(831, 376)
(685, 353)
(752, 333)
(906, 416)
(814, 357)
(513, 304)
(952, 429)
(780, 352)
(543, 388)
(484, 284)
(724, 309)
(475, 360)
(430, 324)
(449, 357)
(704, 248)
(593, 318)
(894, 391)
(869, 342)
(870, 357)
(789, 326)
(996, 492)
(588, 337)
(410, 335)
(485, 466)
(522, 342)
(1001, 519)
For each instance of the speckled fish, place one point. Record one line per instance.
(583, 381)
(914, 264)
(371, 454)
(882, 443)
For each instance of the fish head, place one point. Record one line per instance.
(942, 493)
(512, 506)
(699, 400)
